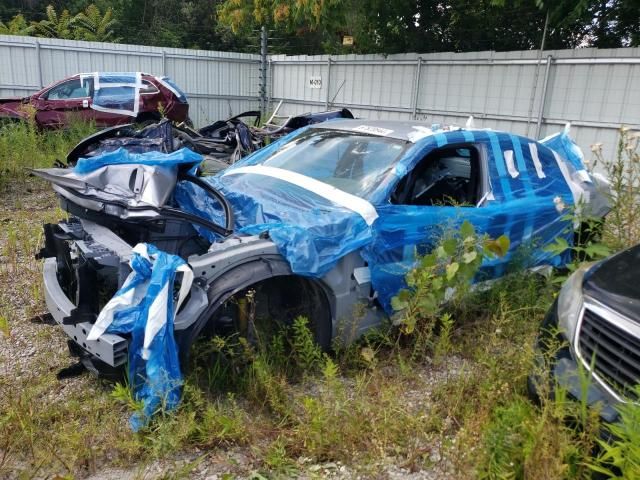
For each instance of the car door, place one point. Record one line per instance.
(67, 100)
(501, 183)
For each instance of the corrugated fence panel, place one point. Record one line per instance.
(596, 90)
(218, 84)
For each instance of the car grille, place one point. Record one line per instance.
(617, 353)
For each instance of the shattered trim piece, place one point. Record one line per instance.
(344, 199)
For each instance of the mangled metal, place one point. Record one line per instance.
(222, 143)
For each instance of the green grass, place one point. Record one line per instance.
(23, 146)
(447, 397)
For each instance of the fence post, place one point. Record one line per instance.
(416, 89)
(164, 63)
(270, 89)
(263, 71)
(39, 64)
(328, 83)
(543, 96)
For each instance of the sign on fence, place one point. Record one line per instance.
(315, 81)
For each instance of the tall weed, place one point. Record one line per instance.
(622, 227)
(23, 145)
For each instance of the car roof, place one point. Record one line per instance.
(407, 130)
(116, 73)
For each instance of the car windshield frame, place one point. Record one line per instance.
(354, 162)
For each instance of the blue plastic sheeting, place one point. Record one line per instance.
(311, 232)
(115, 92)
(529, 201)
(144, 308)
(157, 137)
(564, 145)
(392, 252)
(184, 156)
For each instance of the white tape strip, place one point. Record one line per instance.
(185, 286)
(511, 166)
(533, 148)
(167, 86)
(156, 318)
(158, 309)
(576, 189)
(344, 199)
(128, 299)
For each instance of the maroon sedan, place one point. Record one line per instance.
(106, 98)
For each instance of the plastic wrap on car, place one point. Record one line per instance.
(144, 307)
(116, 92)
(529, 201)
(184, 156)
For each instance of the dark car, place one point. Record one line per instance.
(105, 98)
(597, 318)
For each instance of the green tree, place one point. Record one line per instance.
(92, 25)
(55, 25)
(16, 26)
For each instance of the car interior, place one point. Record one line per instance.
(69, 90)
(446, 176)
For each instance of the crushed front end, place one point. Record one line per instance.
(86, 257)
(80, 275)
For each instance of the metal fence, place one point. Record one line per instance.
(523, 92)
(217, 83)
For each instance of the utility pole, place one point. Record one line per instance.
(263, 72)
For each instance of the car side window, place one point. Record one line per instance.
(446, 176)
(70, 89)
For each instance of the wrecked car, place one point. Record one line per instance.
(593, 326)
(221, 143)
(106, 99)
(324, 223)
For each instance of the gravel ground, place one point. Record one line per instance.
(32, 351)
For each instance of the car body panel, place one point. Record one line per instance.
(529, 207)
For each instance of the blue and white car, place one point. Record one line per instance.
(325, 223)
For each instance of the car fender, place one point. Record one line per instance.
(230, 283)
(227, 271)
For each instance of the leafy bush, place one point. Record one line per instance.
(620, 456)
(442, 275)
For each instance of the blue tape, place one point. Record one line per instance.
(496, 152)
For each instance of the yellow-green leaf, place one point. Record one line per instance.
(469, 256)
(452, 269)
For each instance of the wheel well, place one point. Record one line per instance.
(279, 294)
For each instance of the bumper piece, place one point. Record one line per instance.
(110, 349)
